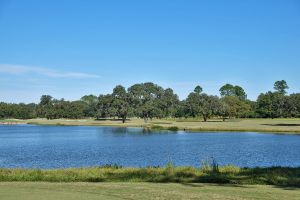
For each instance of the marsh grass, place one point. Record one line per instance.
(173, 128)
(279, 176)
(159, 128)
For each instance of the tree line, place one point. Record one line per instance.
(149, 100)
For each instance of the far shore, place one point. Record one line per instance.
(281, 126)
(12, 123)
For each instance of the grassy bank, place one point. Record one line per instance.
(279, 176)
(112, 191)
(291, 126)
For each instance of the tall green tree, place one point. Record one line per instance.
(292, 106)
(121, 101)
(231, 90)
(227, 90)
(91, 102)
(145, 97)
(210, 106)
(167, 103)
(240, 92)
(281, 86)
(234, 107)
(104, 107)
(271, 104)
(193, 105)
(198, 89)
(202, 105)
(45, 107)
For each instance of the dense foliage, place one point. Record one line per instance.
(148, 100)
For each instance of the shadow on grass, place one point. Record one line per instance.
(214, 184)
(115, 120)
(286, 187)
(281, 124)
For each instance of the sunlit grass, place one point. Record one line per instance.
(281, 176)
(145, 191)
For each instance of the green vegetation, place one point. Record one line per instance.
(211, 173)
(111, 191)
(149, 101)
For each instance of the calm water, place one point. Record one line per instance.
(30, 146)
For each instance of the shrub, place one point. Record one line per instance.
(173, 128)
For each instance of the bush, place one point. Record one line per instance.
(173, 128)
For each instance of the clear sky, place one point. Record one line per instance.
(72, 48)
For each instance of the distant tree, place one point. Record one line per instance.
(76, 109)
(227, 90)
(292, 106)
(145, 100)
(235, 91)
(278, 104)
(252, 111)
(224, 110)
(104, 107)
(240, 93)
(89, 99)
(202, 105)
(198, 89)
(180, 110)
(17, 111)
(25, 111)
(148, 110)
(234, 107)
(45, 100)
(121, 102)
(271, 104)
(281, 86)
(148, 100)
(264, 105)
(6, 110)
(193, 105)
(45, 107)
(210, 106)
(91, 102)
(167, 103)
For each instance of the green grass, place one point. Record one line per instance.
(278, 176)
(114, 182)
(111, 191)
(285, 126)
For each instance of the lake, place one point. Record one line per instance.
(32, 146)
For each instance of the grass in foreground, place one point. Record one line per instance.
(291, 126)
(278, 176)
(110, 191)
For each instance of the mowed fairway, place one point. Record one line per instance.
(89, 191)
(255, 125)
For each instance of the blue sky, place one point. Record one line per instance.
(71, 48)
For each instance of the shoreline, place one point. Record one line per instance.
(187, 130)
(274, 126)
(12, 123)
